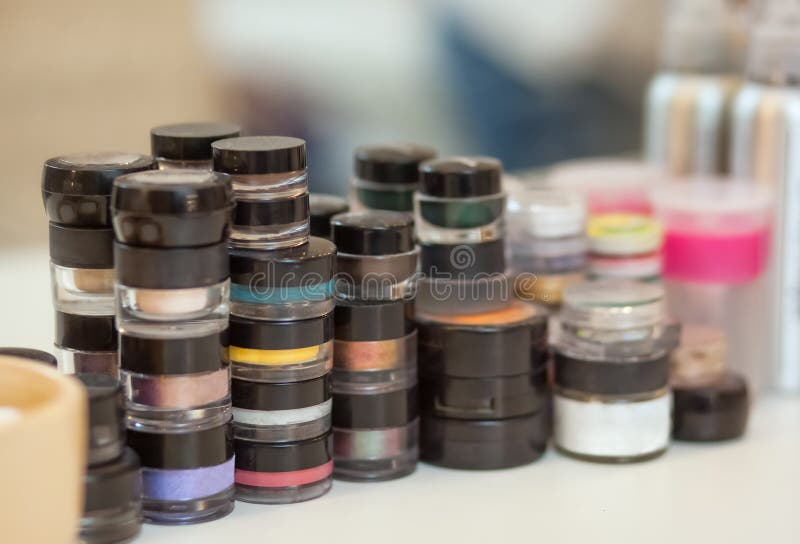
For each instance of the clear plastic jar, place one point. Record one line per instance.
(86, 344)
(283, 285)
(112, 508)
(386, 176)
(271, 223)
(624, 247)
(460, 199)
(187, 146)
(263, 166)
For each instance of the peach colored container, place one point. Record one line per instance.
(42, 452)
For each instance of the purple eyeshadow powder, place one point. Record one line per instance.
(187, 484)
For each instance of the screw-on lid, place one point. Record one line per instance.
(300, 266)
(189, 141)
(85, 332)
(613, 305)
(373, 232)
(259, 155)
(106, 416)
(323, 208)
(173, 356)
(460, 177)
(171, 192)
(397, 163)
(546, 213)
(623, 234)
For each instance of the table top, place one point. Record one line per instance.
(740, 491)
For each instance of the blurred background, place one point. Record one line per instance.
(528, 81)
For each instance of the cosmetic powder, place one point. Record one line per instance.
(86, 344)
(270, 223)
(624, 246)
(710, 409)
(283, 285)
(323, 207)
(386, 176)
(262, 166)
(188, 145)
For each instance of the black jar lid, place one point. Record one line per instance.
(397, 163)
(359, 321)
(259, 155)
(172, 268)
(90, 173)
(106, 416)
(373, 232)
(172, 192)
(189, 141)
(270, 335)
(114, 485)
(323, 208)
(166, 356)
(462, 261)
(30, 354)
(284, 456)
(711, 410)
(90, 248)
(460, 177)
(85, 332)
(308, 264)
(280, 396)
(611, 377)
(274, 211)
(183, 450)
(375, 411)
(506, 342)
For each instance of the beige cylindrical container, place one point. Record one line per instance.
(43, 454)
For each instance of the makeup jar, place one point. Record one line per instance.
(625, 247)
(106, 418)
(285, 284)
(175, 381)
(187, 475)
(377, 258)
(263, 166)
(322, 208)
(611, 397)
(462, 278)
(188, 145)
(711, 409)
(86, 344)
(281, 412)
(546, 243)
(386, 176)
(375, 424)
(271, 223)
(460, 199)
(280, 351)
(282, 473)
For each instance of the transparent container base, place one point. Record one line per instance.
(151, 416)
(103, 526)
(363, 455)
(283, 495)
(446, 220)
(372, 195)
(283, 311)
(612, 459)
(270, 237)
(282, 425)
(283, 184)
(433, 234)
(275, 366)
(87, 362)
(457, 296)
(170, 164)
(189, 511)
(183, 329)
(377, 288)
(376, 470)
(83, 291)
(206, 303)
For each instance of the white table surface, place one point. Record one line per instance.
(742, 491)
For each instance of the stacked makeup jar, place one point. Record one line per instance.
(281, 326)
(375, 420)
(76, 190)
(482, 356)
(187, 146)
(171, 256)
(624, 246)
(611, 397)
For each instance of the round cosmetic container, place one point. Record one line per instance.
(106, 418)
(281, 412)
(460, 199)
(175, 381)
(280, 351)
(386, 176)
(185, 146)
(112, 507)
(377, 258)
(283, 473)
(483, 444)
(76, 189)
(611, 397)
(86, 344)
(624, 246)
(323, 207)
(274, 223)
(283, 285)
(82, 269)
(462, 278)
(546, 243)
(263, 166)
(711, 409)
(187, 476)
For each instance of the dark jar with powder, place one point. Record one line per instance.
(386, 176)
(187, 146)
(323, 207)
(86, 344)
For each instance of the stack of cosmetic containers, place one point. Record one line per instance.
(112, 509)
(611, 395)
(171, 256)
(375, 418)
(482, 357)
(76, 190)
(281, 326)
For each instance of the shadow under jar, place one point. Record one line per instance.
(86, 344)
(611, 398)
(377, 258)
(187, 146)
(460, 199)
(386, 176)
(283, 285)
